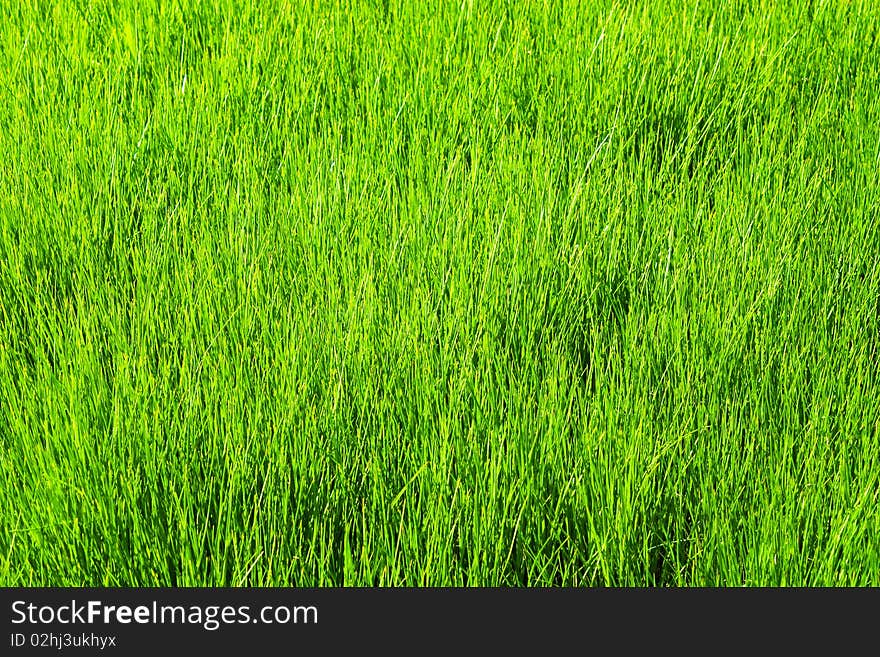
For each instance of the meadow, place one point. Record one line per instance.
(439, 293)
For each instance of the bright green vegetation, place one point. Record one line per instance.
(386, 293)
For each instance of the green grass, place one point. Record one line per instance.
(461, 293)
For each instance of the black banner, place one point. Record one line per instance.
(413, 621)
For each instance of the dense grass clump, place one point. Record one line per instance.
(459, 293)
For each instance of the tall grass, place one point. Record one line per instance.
(477, 293)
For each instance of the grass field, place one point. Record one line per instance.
(460, 293)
